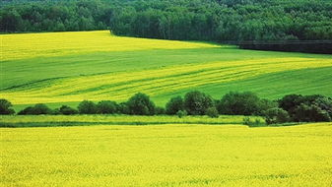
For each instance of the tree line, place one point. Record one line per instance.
(290, 108)
(255, 24)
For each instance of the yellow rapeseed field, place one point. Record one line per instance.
(68, 67)
(123, 119)
(23, 46)
(121, 85)
(167, 155)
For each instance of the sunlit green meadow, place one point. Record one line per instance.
(68, 67)
(156, 151)
(83, 120)
(167, 155)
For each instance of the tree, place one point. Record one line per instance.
(107, 107)
(276, 115)
(269, 27)
(325, 103)
(310, 113)
(6, 107)
(174, 105)
(25, 111)
(307, 108)
(159, 111)
(292, 101)
(66, 110)
(181, 113)
(212, 112)
(265, 104)
(123, 108)
(38, 109)
(197, 103)
(235, 103)
(87, 107)
(11, 21)
(140, 104)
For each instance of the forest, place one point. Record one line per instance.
(300, 25)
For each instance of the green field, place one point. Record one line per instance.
(155, 151)
(167, 155)
(83, 120)
(57, 68)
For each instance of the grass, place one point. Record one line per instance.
(167, 155)
(152, 151)
(66, 68)
(23, 46)
(82, 120)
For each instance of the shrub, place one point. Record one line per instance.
(307, 108)
(159, 110)
(181, 113)
(140, 104)
(247, 121)
(174, 105)
(38, 109)
(56, 112)
(107, 107)
(276, 115)
(41, 109)
(123, 108)
(265, 104)
(6, 107)
(235, 103)
(87, 107)
(197, 103)
(325, 103)
(25, 111)
(291, 102)
(212, 112)
(66, 110)
(310, 113)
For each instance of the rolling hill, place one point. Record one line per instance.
(68, 67)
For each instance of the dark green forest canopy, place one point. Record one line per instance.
(213, 20)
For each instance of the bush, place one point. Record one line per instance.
(140, 104)
(66, 110)
(159, 110)
(123, 108)
(87, 107)
(174, 105)
(247, 121)
(38, 109)
(181, 113)
(264, 105)
(325, 103)
(276, 115)
(197, 103)
(212, 112)
(291, 102)
(235, 103)
(107, 107)
(310, 113)
(25, 111)
(56, 112)
(6, 107)
(310, 108)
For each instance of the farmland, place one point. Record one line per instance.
(81, 120)
(167, 155)
(165, 93)
(66, 68)
(122, 150)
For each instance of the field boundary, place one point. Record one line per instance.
(131, 123)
